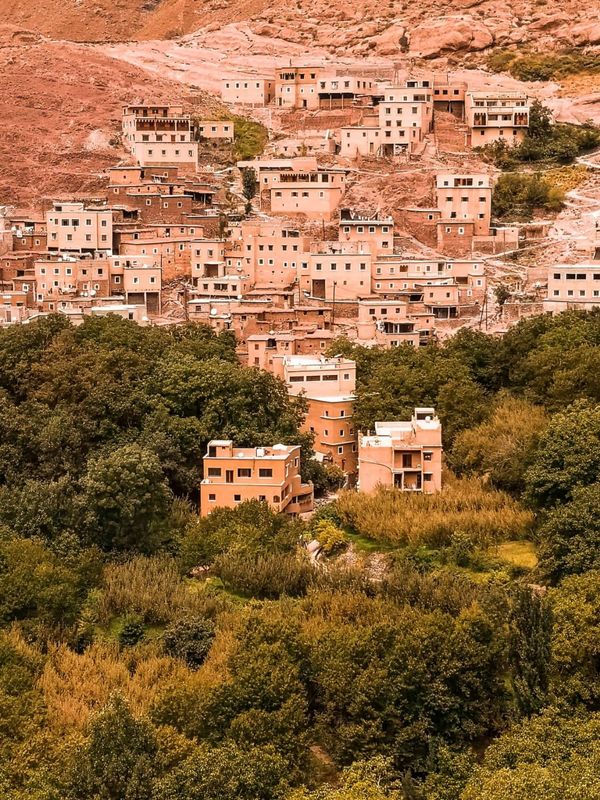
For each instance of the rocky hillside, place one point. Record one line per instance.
(60, 108)
(425, 29)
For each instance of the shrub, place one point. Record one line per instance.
(330, 537)
(150, 588)
(519, 195)
(252, 526)
(250, 138)
(269, 575)
(132, 631)
(502, 447)
(190, 639)
(559, 143)
(464, 506)
(76, 684)
(570, 535)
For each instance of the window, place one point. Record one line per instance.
(237, 498)
(212, 497)
(427, 456)
(214, 472)
(244, 472)
(265, 472)
(340, 450)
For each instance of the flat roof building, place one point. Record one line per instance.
(405, 455)
(269, 474)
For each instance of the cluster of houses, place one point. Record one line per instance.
(406, 455)
(300, 270)
(394, 117)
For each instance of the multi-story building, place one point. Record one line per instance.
(337, 91)
(361, 140)
(496, 115)
(271, 252)
(573, 286)
(405, 117)
(269, 474)
(403, 455)
(464, 199)
(337, 271)
(328, 384)
(248, 90)
(394, 321)
(449, 95)
(296, 87)
(75, 227)
(377, 231)
(138, 280)
(298, 186)
(160, 135)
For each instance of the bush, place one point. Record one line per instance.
(132, 631)
(266, 576)
(570, 535)
(466, 506)
(501, 448)
(250, 138)
(519, 195)
(190, 639)
(544, 67)
(558, 143)
(330, 537)
(252, 526)
(150, 588)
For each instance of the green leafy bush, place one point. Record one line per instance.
(190, 639)
(544, 66)
(518, 195)
(330, 537)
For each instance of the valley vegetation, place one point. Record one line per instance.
(446, 648)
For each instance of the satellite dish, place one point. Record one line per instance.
(213, 312)
(92, 292)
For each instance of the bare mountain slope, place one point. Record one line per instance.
(428, 28)
(60, 108)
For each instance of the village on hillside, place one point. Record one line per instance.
(292, 247)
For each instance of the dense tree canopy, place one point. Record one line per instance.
(149, 654)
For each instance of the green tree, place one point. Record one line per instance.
(117, 762)
(502, 447)
(35, 586)
(226, 772)
(570, 535)
(518, 195)
(249, 183)
(36, 508)
(190, 638)
(132, 631)
(575, 673)
(568, 456)
(125, 499)
(552, 756)
(530, 630)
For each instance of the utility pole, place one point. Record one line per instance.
(333, 307)
(186, 310)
